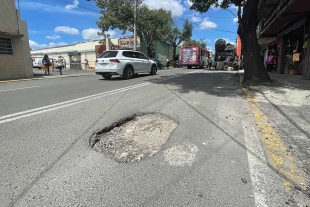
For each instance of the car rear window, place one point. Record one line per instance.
(108, 54)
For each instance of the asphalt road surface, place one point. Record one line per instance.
(46, 159)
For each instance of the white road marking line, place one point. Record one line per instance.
(23, 114)
(14, 89)
(257, 164)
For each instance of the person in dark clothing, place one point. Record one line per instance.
(47, 63)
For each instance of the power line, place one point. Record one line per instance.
(231, 12)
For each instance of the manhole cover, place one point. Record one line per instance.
(134, 138)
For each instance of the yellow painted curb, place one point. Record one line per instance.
(279, 158)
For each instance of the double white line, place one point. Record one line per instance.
(32, 112)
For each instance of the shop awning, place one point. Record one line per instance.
(285, 15)
(11, 34)
(293, 27)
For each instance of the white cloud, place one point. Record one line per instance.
(175, 6)
(229, 41)
(195, 19)
(53, 37)
(74, 4)
(111, 33)
(188, 3)
(232, 6)
(217, 8)
(53, 8)
(92, 34)
(235, 19)
(67, 30)
(33, 45)
(212, 49)
(205, 24)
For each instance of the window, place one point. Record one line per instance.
(128, 54)
(134, 55)
(142, 56)
(6, 47)
(108, 54)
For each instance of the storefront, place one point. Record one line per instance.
(289, 23)
(293, 48)
(274, 47)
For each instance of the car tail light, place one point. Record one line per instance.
(114, 61)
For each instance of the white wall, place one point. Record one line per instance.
(19, 64)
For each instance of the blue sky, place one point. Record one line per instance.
(60, 22)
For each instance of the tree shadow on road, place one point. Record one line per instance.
(217, 83)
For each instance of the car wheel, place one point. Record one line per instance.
(127, 73)
(153, 70)
(107, 76)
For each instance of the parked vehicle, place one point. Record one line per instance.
(158, 63)
(125, 63)
(194, 56)
(37, 62)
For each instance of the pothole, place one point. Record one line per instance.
(134, 138)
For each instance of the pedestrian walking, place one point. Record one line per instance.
(167, 62)
(86, 64)
(60, 64)
(46, 63)
(270, 61)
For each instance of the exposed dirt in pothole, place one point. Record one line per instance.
(134, 138)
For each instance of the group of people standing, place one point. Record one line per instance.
(60, 64)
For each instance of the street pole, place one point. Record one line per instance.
(135, 27)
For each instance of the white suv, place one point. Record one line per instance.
(125, 63)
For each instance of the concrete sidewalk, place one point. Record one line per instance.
(39, 75)
(285, 108)
(66, 73)
(291, 80)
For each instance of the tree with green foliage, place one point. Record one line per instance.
(195, 43)
(175, 37)
(220, 45)
(254, 68)
(151, 24)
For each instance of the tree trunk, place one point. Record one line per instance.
(149, 51)
(254, 68)
(174, 52)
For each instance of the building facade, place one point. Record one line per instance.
(14, 43)
(76, 53)
(285, 31)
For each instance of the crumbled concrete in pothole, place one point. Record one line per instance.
(139, 138)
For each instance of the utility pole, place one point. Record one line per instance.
(135, 26)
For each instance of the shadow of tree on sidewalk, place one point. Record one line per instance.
(221, 83)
